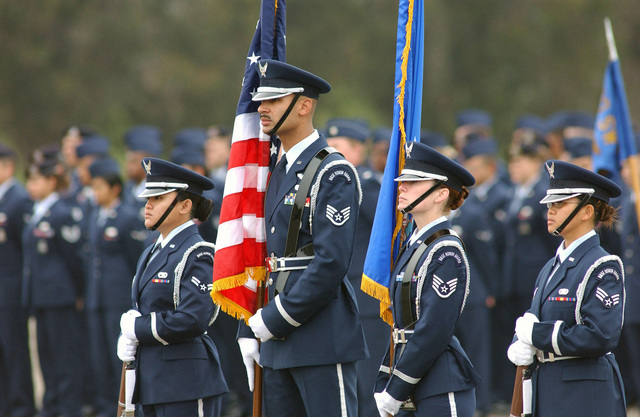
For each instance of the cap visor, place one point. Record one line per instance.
(552, 198)
(154, 192)
(267, 96)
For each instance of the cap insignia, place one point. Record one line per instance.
(408, 147)
(147, 167)
(263, 69)
(550, 169)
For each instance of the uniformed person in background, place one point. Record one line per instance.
(477, 224)
(579, 151)
(577, 311)
(310, 330)
(217, 148)
(379, 150)
(140, 142)
(53, 286)
(115, 237)
(72, 137)
(476, 122)
(428, 289)
(178, 369)
(16, 388)
(351, 138)
(527, 247)
(628, 351)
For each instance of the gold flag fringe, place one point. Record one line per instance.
(230, 307)
(381, 293)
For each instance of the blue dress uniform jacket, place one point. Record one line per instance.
(116, 243)
(53, 267)
(432, 362)
(316, 315)
(581, 314)
(176, 360)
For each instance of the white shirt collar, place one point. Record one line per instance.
(297, 149)
(564, 253)
(40, 207)
(4, 187)
(418, 233)
(173, 233)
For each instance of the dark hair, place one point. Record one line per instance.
(456, 198)
(604, 213)
(201, 207)
(112, 180)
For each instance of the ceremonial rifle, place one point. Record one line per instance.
(518, 406)
(127, 380)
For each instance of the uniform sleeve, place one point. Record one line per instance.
(442, 294)
(191, 316)
(599, 314)
(333, 231)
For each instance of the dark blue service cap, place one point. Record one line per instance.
(579, 147)
(46, 161)
(580, 119)
(424, 163)
(104, 167)
(93, 145)
(433, 139)
(6, 152)
(474, 117)
(187, 155)
(164, 177)
(144, 138)
(382, 134)
(567, 181)
(529, 143)
(191, 137)
(279, 79)
(47, 153)
(349, 128)
(484, 146)
(531, 121)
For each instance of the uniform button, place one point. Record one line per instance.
(628, 253)
(270, 282)
(273, 229)
(629, 269)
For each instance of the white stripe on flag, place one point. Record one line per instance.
(234, 231)
(244, 178)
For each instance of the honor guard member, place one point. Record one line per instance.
(72, 137)
(526, 247)
(311, 331)
(16, 388)
(140, 142)
(116, 239)
(350, 137)
(430, 373)
(177, 364)
(477, 225)
(577, 311)
(53, 287)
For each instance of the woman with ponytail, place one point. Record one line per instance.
(577, 311)
(177, 364)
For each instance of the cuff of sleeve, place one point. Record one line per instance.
(277, 319)
(545, 336)
(147, 330)
(401, 385)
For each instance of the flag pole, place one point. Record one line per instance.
(632, 160)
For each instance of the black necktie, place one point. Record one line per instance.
(279, 172)
(154, 252)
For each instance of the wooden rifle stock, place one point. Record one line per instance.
(257, 379)
(516, 399)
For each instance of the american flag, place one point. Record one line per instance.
(241, 246)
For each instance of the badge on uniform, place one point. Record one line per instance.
(201, 286)
(338, 217)
(110, 233)
(444, 289)
(70, 233)
(290, 198)
(42, 246)
(607, 300)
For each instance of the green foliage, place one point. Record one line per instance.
(112, 64)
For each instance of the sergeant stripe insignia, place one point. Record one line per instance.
(202, 287)
(607, 300)
(444, 289)
(338, 217)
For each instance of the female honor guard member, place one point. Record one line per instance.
(577, 310)
(430, 373)
(177, 366)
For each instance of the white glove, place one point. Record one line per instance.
(386, 404)
(128, 324)
(259, 328)
(250, 352)
(524, 327)
(520, 353)
(127, 349)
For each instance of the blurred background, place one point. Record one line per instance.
(112, 64)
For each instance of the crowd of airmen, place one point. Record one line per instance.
(68, 250)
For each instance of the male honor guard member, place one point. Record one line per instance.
(311, 332)
(430, 374)
(577, 311)
(177, 364)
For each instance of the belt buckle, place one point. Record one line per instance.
(272, 263)
(540, 356)
(399, 336)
